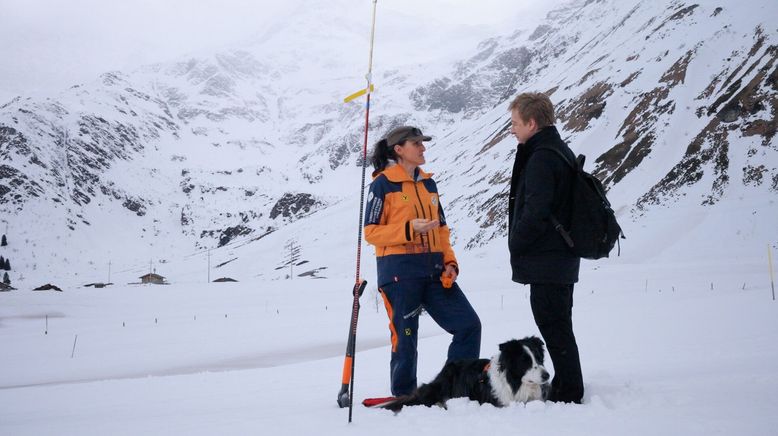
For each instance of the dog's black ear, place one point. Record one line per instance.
(505, 345)
(536, 341)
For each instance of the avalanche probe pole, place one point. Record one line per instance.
(346, 394)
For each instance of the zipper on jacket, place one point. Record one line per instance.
(416, 187)
(416, 210)
(423, 215)
(434, 238)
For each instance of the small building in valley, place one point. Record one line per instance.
(152, 278)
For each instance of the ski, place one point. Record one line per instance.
(378, 402)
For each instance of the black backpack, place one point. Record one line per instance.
(593, 229)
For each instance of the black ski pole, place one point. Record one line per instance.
(346, 394)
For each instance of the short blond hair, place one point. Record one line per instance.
(534, 105)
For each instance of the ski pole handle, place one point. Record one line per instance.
(359, 288)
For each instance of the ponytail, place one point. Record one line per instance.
(381, 155)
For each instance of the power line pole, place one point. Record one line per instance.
(770, 262)
(294, 256)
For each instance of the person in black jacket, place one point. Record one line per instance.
(541, 187)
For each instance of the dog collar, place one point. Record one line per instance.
(485, 373)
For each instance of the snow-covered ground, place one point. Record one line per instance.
(676, 348)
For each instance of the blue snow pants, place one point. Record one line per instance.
(404, 301)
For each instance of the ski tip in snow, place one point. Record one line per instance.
(378, 402)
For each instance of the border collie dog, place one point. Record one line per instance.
(516, 373)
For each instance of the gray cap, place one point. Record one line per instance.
(405, 133)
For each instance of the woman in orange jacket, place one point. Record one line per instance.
(417, 268)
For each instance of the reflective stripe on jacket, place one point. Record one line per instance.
(393, 201)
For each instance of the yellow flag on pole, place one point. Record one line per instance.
(358, 94)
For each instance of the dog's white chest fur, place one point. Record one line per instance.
(531, 382)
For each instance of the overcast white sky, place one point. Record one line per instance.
(48, 45)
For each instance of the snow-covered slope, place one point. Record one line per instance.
(246, 150)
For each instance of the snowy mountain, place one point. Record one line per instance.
(241, 151)
(656, 98)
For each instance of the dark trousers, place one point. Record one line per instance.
(552, 307)
(449, 308)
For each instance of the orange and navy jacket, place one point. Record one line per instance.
(393, 201)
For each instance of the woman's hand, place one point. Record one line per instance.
(421, 225)
(451, 272)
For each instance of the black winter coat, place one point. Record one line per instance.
(540, 186)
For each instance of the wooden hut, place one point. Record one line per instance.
(152, 278)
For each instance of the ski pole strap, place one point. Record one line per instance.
(359, 288)
(561, 229)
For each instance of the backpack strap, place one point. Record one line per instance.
(575, 167)
(561, 229)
